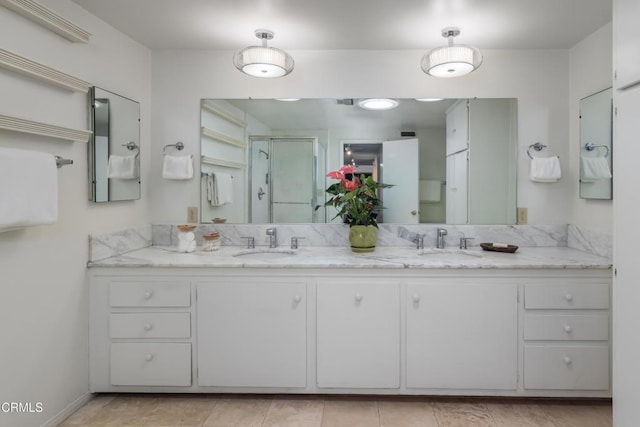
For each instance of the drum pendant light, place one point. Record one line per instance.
(263, 61)
(451, 60)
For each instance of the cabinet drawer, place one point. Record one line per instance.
(154, 364)
(567, 296)
(150, 325)
(554, 327)
(566, 367)
(150, 294)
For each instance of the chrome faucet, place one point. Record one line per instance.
(273, 240)
(419, 241)
(464, 241)
(440, 241)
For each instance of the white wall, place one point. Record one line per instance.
(590, 71)
(539, 79)
(43, 289)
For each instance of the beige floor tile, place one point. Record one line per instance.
(519, 415)
(89, 410)
(406, 414)
(177, 411)
(579, 415)
(124, 411)
(462, 414)
(350, 413)
(238, 412)
(294, 413)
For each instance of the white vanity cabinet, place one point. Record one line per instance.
(462, 334)
(358, 333)
(566, 335)
(252, 333)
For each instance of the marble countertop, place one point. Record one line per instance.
(341, 257)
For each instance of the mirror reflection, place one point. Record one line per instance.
(452, 161)
(596, 146)
(114, 149)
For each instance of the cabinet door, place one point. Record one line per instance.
(457, 128)
(252, 334)
(626, 36)
(462, 335)
(358, 334)
(457, 185)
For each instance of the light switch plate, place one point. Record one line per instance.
(522, 216)
(192, 214)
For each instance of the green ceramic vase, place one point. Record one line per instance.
(363, 238)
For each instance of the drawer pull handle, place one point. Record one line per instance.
(148, 294)
(148, 326)
(148, 357)
(416, 298)
(358, 297)
(297, 298)
(568, 329)
(568, 297)
(567, 360)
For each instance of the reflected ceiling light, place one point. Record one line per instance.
(378, 103)
(428, 99)
(451, 60)
(263, 61)
(288, 99)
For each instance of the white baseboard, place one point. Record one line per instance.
(70, 409)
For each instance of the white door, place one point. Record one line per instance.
(457, 188)
(401, 168)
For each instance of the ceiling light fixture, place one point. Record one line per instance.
(451, 60)
(263, 61)
(378, 103)
(428, 99)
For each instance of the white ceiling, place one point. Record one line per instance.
(353, 24)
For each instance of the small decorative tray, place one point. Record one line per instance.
(219, 220)
(490, 247)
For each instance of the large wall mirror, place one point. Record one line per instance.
(596, 146)
(114, 149)
(265, 160)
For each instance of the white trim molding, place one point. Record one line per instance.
(219, 162)
(25, 66)
(48, 19)
(218, 111)
(223, 138)
(37, 128)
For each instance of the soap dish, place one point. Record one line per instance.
(489, 247)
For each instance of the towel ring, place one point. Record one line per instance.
(538, 146)
(590, 146)
(178, 146)
(132, 146)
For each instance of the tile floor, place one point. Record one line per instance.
(332, 411)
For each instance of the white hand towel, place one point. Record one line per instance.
(545, 169)
(177, 167)
(123, 167)
(430, 191)
(222, 189)
(594, 169)
(28, 189)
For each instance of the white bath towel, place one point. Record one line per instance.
(123, 167)
(594, 169)
(222, 189)
(430, 191)
(545, 169)
(177, 167)
(28, 189)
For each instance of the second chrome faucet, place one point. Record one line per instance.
(273, 238)
(440, 238)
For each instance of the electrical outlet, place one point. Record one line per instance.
(522, 216)
(192, 214)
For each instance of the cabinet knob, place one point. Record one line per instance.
(568, 297)
(297, 298)
(568, 329)
(148, 357)
(148, 294)
(416, 298)
(358, 297)
(567, 360)
(148, 326)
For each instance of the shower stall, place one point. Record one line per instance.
(286, 180)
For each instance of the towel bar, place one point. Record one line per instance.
(132, 146)
(178, 146)
(590, 146)
(538, 146)
(60, 162)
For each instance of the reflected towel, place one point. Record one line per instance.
(430, 191)
(177, 167)
(545, 169)
(594, 169)
(28, 188)
(222, 189)
(123, 167)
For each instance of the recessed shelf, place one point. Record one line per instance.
(218, 162)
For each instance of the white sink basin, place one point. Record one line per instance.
(265, 254)
(449, 252)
